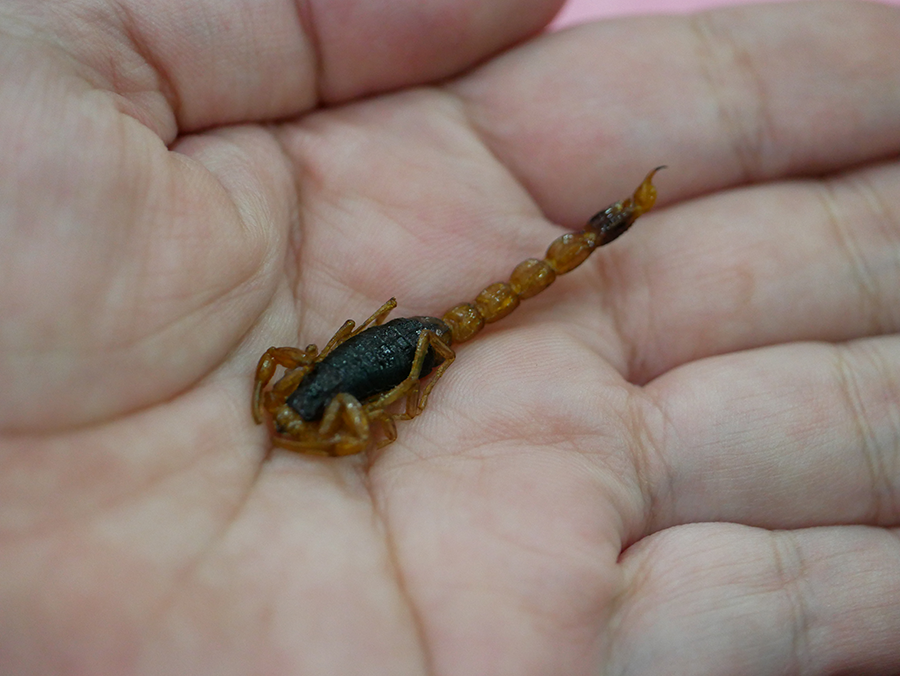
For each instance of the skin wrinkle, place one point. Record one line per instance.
(617, 312)
(639, 365)
(893, 387)
(646, 471)
(537, 612)
(76, 27)
(605, 264)
(99, 508)
(663, 473)
(469, 118)
(888, 506)
(632, 420)
(399, 578)
(883, 494)
(158, 335)
(304, 173)
(306, 15)
(622, 605)
(791, 571)
(490, 143)
(209, 304)
(293, 248)
(126, 24)
(849, 392)
(214, 542)
(722, 65)
(362, 471)
(864, 276)
(163, 82)
(880, 212)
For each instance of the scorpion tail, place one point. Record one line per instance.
(617, 218)
(565, 253)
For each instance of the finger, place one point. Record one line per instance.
(367, 47)
(812, 260)
(819, 601)
(208, 63)
(722, 97)
(781, 437)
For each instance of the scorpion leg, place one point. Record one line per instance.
(388, 426)
(345, 411)
(343, 430)
(339, 337)
(390, 431)
(289, 357)
(378, 317)
(305, 446)
(449, 355)
(349, 328)
(410, 387)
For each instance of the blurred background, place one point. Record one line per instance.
(579, 11)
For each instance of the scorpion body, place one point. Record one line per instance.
(369, 363)
(328, 402)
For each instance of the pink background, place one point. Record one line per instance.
(578, 11)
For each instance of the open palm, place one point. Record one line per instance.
(683, 458)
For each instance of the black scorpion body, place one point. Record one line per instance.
(368, 364)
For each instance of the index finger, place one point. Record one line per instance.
(724, 97)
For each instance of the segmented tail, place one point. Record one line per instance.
(565, 253)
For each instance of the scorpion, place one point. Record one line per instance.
(328, 402)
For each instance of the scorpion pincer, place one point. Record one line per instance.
(328, 402)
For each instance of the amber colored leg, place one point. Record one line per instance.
(382, 401)
(343, 430)
(388, 420)
(339, 337)
(283, 388)
(414, 405)
(410, 387)
(449, 355)
(390, 430)
(345, 411)
(298, 446)
(378, 317)
(347, 330)
(288, 357)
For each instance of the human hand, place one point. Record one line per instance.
(682, 458)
